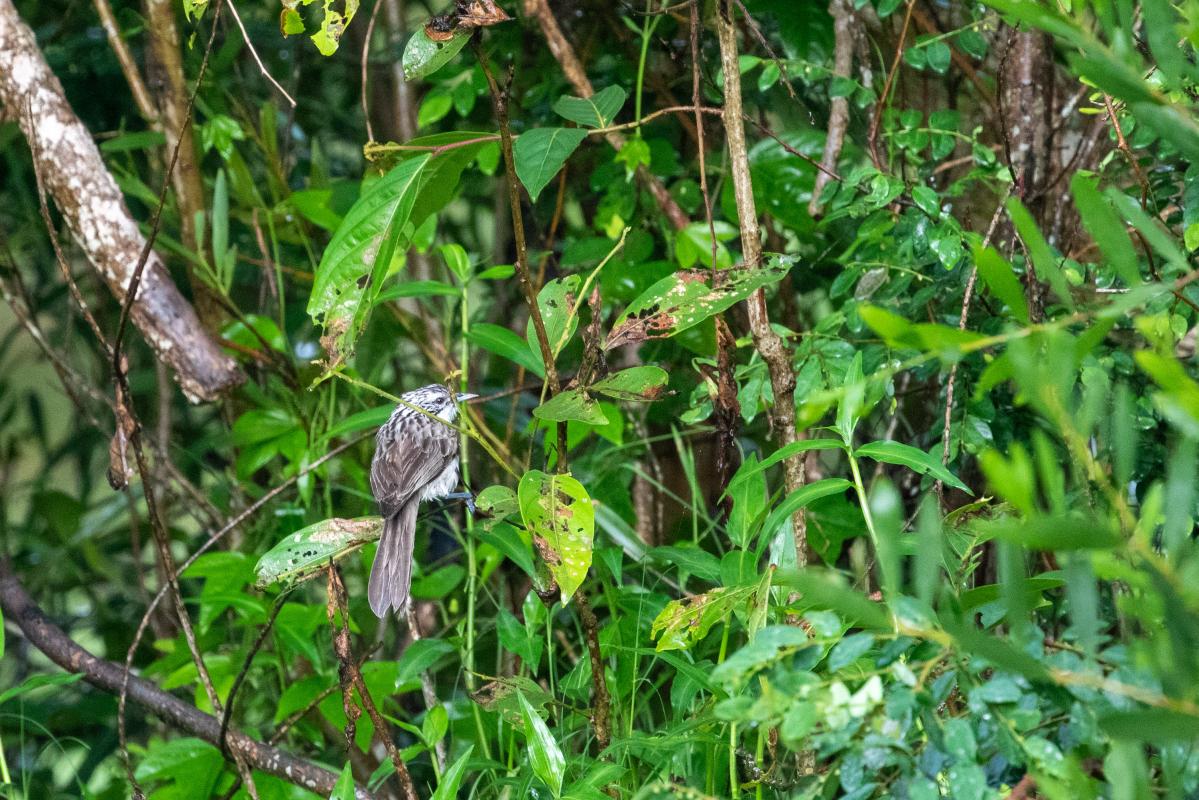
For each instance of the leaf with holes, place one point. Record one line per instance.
(305, 552)
(352, 269)
(557, 302)
(558, 513)
(541, 152)
(597, 111)
(685, 299)
(683, 623)
(333, 25)
(634, 383)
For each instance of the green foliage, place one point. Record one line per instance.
(984, 580)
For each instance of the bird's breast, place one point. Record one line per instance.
(443, 484)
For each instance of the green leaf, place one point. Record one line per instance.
(634, 383)
(506, 344)
(559, 314)
(913, 458)
(509, 540)
(451, 779)
(1043, 259)
(358, 258)
(597, 111)
(333, 25)
(541, 152)
(682, 623)
(801, 498)
(572, 404)
(1158, 725)
(770, 644)
(305, 552)
(39, 681)
(785, 452)
(423, 56)
(558, 513)
(546, 757)
(927, 200)
(824, 589)
(685, 299)
(997, 274)
(344, 788)
(497, 502)
(1105, 228)
(503, 696)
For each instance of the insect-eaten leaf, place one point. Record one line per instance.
(597, 111)
(497, 502)
(572, 404)
(541, 152)
(380, 224)
(304, 553)
(685, 299)
(683, 623)
(561, 518)
(633, 384)
(502, 696)
(333, 25)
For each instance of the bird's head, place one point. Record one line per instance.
(436, 399)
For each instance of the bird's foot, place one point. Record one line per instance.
(465, 497)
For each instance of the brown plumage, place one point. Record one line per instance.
(416, 458)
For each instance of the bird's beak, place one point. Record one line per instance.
(462, 398)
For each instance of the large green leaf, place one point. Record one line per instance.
(352, 269)
(913, 458)
(557, 303)
(800, 498)
(558, 513)
(307, 551)
(685, 299)
(597, 111)
(546, 756)
(1105, 228)
(506, 344)
(682, 623)
(541, 152)
(997, 274)
(1044, 262)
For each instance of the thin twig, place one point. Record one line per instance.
(838, 118)
(133, 76)
(939, 486)
(880, 107)
(350, 672)
(601, 701)
(366, 52)
(261, 67)
(428, 690)
(245, 667)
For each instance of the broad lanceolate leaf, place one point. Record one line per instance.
(801, 498)
(307, 551)
(997, 274)
(451, 779)
(351, 272)
(1043, 260)
(344, 788)
(572, 404)
(424, 56)
(541, 152)
(558, 513)
(548, 762)
(912, 458)
(684, 299)
(506, 344)
(683, 623)
(597, 111)
(1105, 227)
(383, 220)
(634, 383)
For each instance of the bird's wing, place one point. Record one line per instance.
(408, 456)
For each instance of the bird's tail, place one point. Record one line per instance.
(391, 576)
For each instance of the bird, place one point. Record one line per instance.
(416, 459)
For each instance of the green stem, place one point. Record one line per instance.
(647, 30)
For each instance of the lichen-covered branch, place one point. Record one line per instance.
(94, 209)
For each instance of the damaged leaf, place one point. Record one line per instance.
(685, 299)
(572, 404)
(685, 622)
(502, 696)
(306, 552)
(558, 513)
(633, 384)
(333, 25)
(426, 53)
